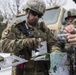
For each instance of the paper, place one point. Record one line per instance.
(41, 50)
(8, 70)
(11, 61)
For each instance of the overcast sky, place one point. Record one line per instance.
(69, 4)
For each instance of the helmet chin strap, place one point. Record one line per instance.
(28, 14)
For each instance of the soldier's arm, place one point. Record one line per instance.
(54, 45)
(10, 43)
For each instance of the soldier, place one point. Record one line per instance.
(70, 18)
(21, 38)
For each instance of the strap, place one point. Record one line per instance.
(21, 26)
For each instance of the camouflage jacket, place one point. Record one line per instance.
(14, 40)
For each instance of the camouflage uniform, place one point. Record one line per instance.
(69, 14)
(13, 40)
(2, 25)
(16, 40)
(68, 47)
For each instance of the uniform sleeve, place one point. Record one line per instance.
(10, 43)
(53, 44)
(74, 23)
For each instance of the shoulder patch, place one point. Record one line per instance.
(6, 32)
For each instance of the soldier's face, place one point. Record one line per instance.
(34, 17)
(70, 20)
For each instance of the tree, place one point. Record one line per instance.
(56, 2)
(17, 3)
(10, 8)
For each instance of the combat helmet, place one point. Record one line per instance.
(70, 13)
(35, 5)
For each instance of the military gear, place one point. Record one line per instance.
(35, 5)
(70, 13)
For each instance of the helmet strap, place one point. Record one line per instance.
(28, 13)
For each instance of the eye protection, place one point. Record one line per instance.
(35, 14)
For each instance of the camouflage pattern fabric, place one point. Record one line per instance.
(37, 5)
(14, 41)
(69, 48)
(74, 22)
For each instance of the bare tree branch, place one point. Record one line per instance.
(49, 2)
(11, 9)
(56, 2)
